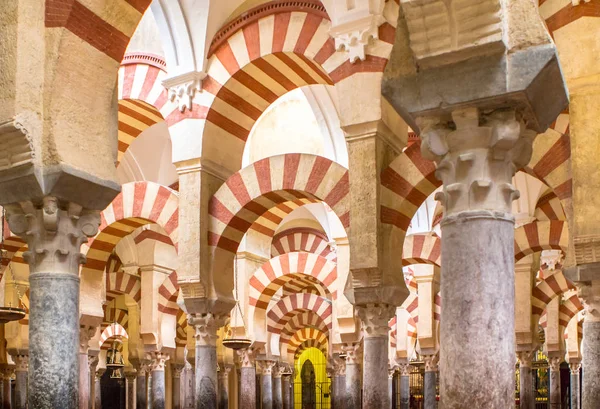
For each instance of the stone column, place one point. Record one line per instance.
(278, 371)
(93, 364)
(85, 334)
(98, 397)
(375, 318)
(430, 381)
(7, 372)
(130, 390)
(20, 381)
(590, 295)
(574, 368)
(477, 155)
(141, 386)
(177, 368)
(555, 398)
(404, 386)
(286, 391)
(247, 379)
(339, 383)
(391, 374)
(206, 326)
(158, 380)
(353, 376)
(223, 387)
(526, 396)
(265, 369)
(54, 233)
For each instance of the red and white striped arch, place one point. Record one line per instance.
(118, 282)
(393, 324)
(167, 295)
(303, 319)
(263, 58)
(411, 282)
(549, 207)
(260, 187)
(305, 284)
(541, 235)
(138, 204)
(568, 309)
(547, 289)
(182, 324)
(302, 239)
(422, 249)
(282, 311)
(273, 274)
(114, 330)
(308, 338)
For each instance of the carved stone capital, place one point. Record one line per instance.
(476, 155)
(356, 36)
(375, 318)
(339, 367)
(21, 363)
(93, 362)
(177, 369)
(130, 376)
(265, 367)
(99, 373)
(554, 363)
(589, 293)
(85, 334)
(206, 326)
(279, 370)
(158, 361)
(353, 355)
(247, 357)
(574, 367)
(431, 362)
(526, 358)
(587, 249)
(182, 88)
(392, 371)
(404, 369)
(54, 233)
(224, 372)
(551, 260)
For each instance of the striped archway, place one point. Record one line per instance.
(304, 319)
(301, 283)
(547, 289)
(182, 325)
(302, 239)
(138, 204)
(422, 249)
(307, 338)
(119, 282)
(549, 207)
(541, 235)
(114, 330)
(281, 312)
(167, 295)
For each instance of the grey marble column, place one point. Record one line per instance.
(85, 334)
(7, 372)
(98, 396)
(286, 391)
(277, 389)
(555, 398)
(248, 387)
(266, 383)
(391, 374)
(20, 381)
(176, 386)
(430, 381)
(574, 368)
(526, 392)
(93, 364)
(353, 376)
(375, 318)
(591, 364)
(223, 387)
(141, 387)
(404, 386)
(130, 390)
(339, 383)
(158, 380)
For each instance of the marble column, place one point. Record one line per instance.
(430, 381)
(339, 383)
(93, 364)
(591, 363)
(54, 233)
(98, 397)
(7, 372)
(375, 318)
(247, 379)
(20, 381)
(206, 326)
(477, 155)
(176, 386)
(353, 376)
(555, 398)
(286, 391)
(141, 386)
(574, 367)
(85, 334)
(265, 369)
(526, 394)
(130, 390)
(391, 375)
(278, 371)
(158, 380)
(223, 387)
(404, 386)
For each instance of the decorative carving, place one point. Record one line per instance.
(247, 357)
(352, 353)
(158, 360)
(404, 369)
(183, 88)
(447, 31)
(206, 326)
(590, 298)
(392, 371)
(265, 367)
(54, 233)
(85, 334)
(99, 373)
(93, 362)
(525, 358)
(279, 370)
(224, 372)
(587, 249)
(17, 147)
(476, 155)
(551, 259)
(431, 362)
(554, 363)
(21, 363)
(339, 367)
(574, 367)
(355, 36)
(375, 318)
(177, 369)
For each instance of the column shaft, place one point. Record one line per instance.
(266, 392)
(223, 388)
(176, 388)
(248, 388)
(141, 390)
(390, 390)
(20, 381)
(478, 292)
(339, 391)
(526, 395)
(84, 379)
(574, 384)
(7, 396)
(591, 365)
(404, 391)
(277, 393)
(375, 373)
(555, 398)
(353, 386)
(286, 392)
(130, 391)
(158, 389)
(206, 377)
(429, 392)
(98, 389)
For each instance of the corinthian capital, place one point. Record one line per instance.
(526, 358)
(206, 326)
(265, 367)
(375, 318)
(589, 292)
(158, 361)
(477, 155)
(54, 232)
(339, 367)
(431, 362)
(352, 353)
(247, 356)
(554, 363)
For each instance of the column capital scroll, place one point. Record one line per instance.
(353, 354)
(21, 363)
(158, 361)
(574, 367)
(247, 357)
(431, 362)
(526, 357)
(265, 367)
(206, 326)
(554, 363)
(375, 319)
